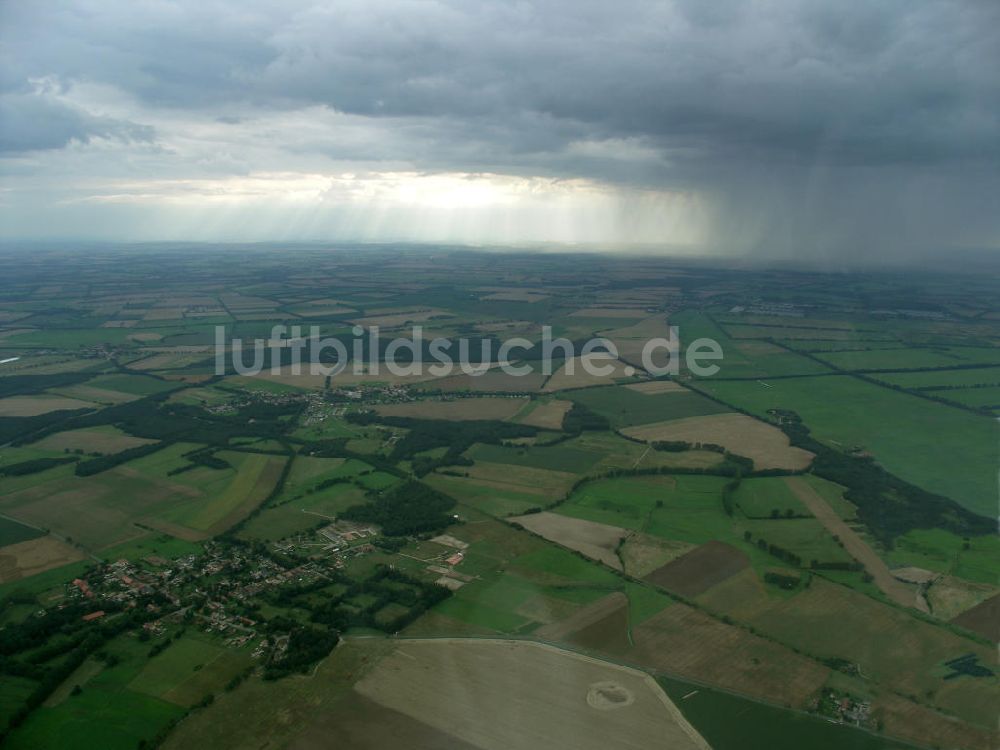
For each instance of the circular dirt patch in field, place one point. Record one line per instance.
(608, 695)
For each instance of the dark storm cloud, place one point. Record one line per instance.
(31, 122)
(755, 103)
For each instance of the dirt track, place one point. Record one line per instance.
(856, 546)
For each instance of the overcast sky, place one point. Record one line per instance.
(822, 128)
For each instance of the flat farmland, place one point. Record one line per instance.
(625, 406)
(764, 443)
(975, 397)
(33, 556)
(937, 447)
(685, 642)
(854, 545)
(898, 651)
(905, 359)
(641, 553)
(502, 489)
(32, 406)
(763, 497)
(491, 381)
(106, 439)
(556, 698)
(951, 378)
(492, 498)
(574, 374)
(697, 571)
(547, 415)
(684, 508)
(188, 670)
(255, 477)
(561, 458)
(597, 541)
(457, 409)
(12, 532)
(99, 511)
(301, 513)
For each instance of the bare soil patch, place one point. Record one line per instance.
(602, 626)
(698, 570)
(745, 436)
(983, 618)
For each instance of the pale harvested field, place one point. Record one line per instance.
(32, 406)
(765, 444)
(655, 387)
(459, 409)
(595, 540)
(686, 642)
(145, 337)
(99, 440)
(534, 695)
(888, 584)
(547, 416)
(950, 596)
(35, 556)
(562, 378)
(643, 553)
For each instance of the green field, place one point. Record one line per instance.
(937, 447)
(751, 725)
(624, 407)
(685, 507)
(557, 458)
(953, 378)
(106, 714)
(488, 499)
(906, 359)
(187, 670)
(764, 497)
(12, 532)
